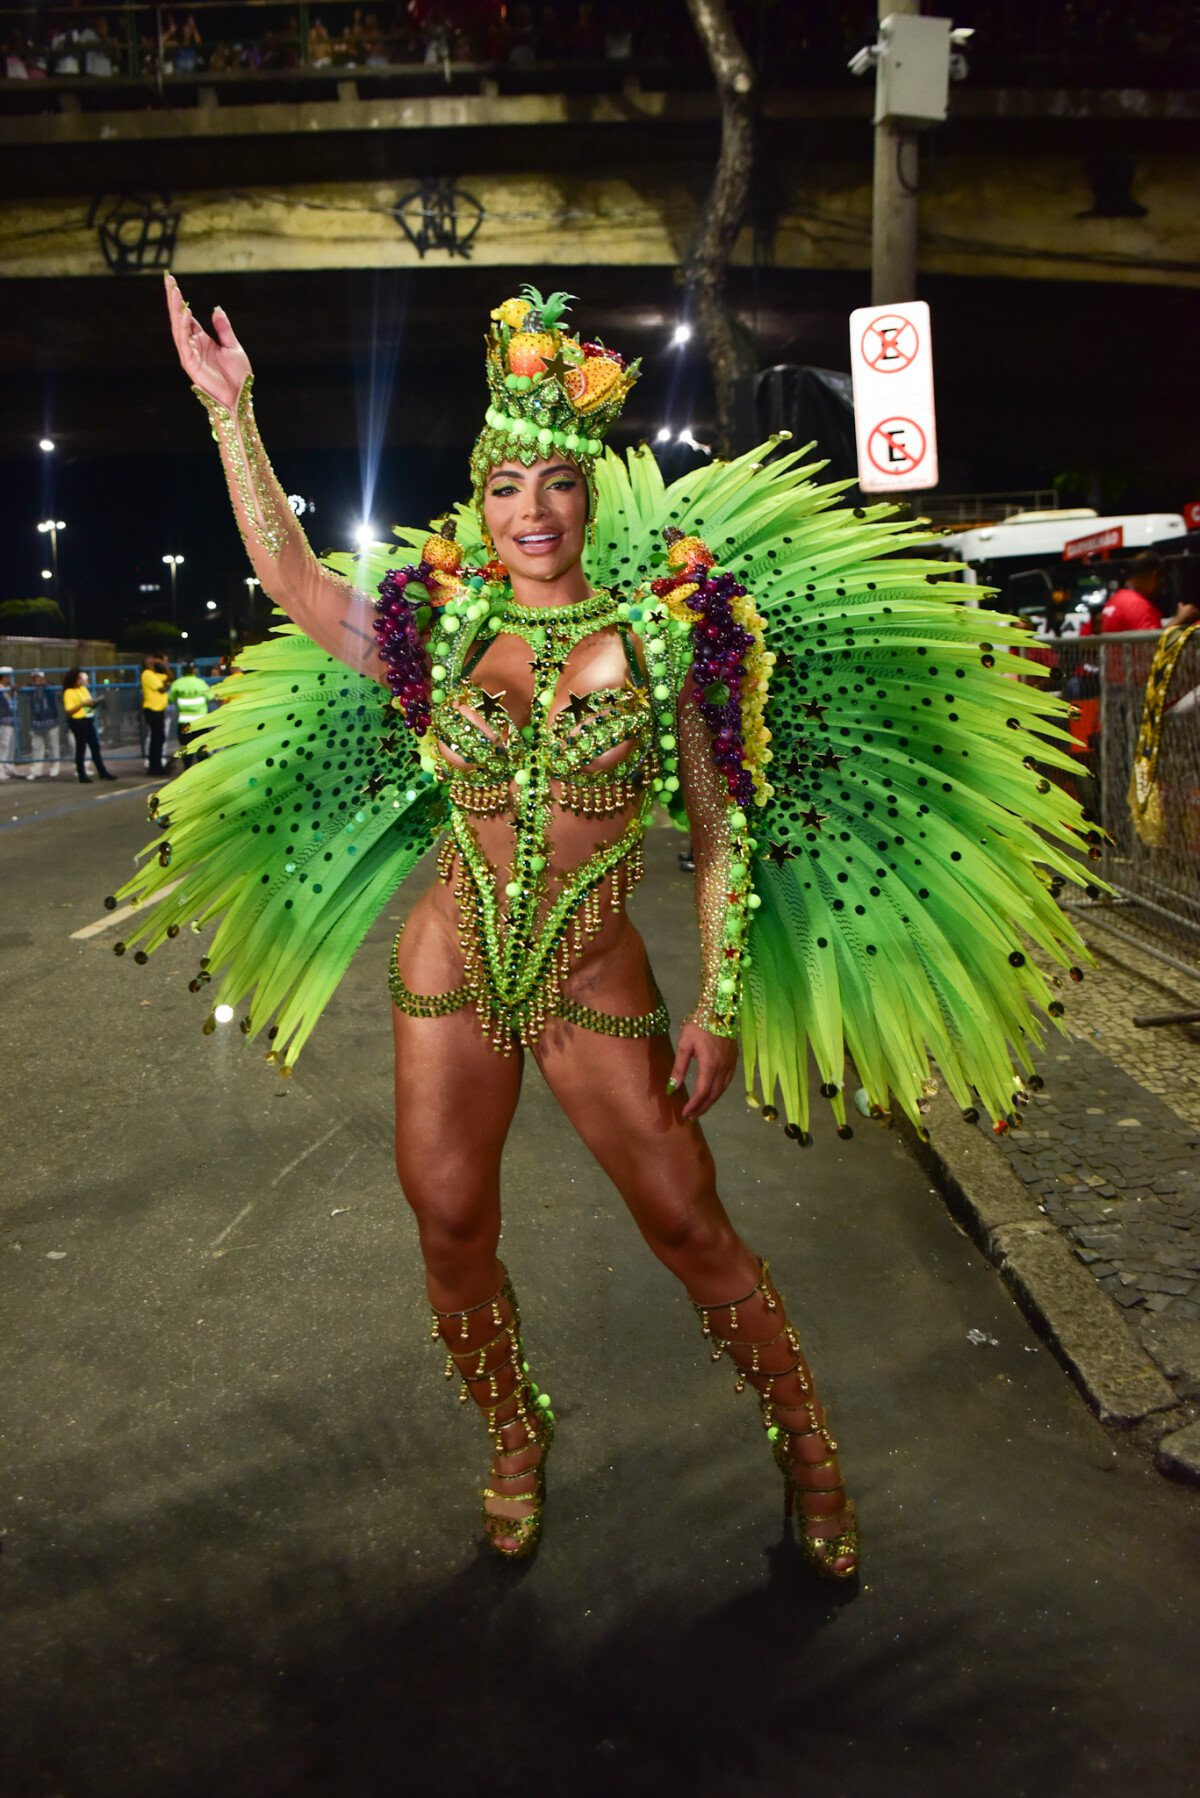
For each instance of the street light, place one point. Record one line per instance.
(173, 563)
(50, 527)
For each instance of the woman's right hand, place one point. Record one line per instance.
(218, 365)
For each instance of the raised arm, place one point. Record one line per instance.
(325, 606)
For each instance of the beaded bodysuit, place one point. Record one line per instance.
(878, 842)
(547, 817)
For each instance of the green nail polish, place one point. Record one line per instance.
(671, 1085)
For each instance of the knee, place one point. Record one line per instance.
(459, 1230)
(690, 1232)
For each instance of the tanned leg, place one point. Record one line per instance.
(613, 1090)
(455, 1099)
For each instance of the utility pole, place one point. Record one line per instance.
(894, 206)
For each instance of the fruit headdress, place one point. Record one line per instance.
(548, 391)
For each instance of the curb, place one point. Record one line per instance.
(1076, 1318)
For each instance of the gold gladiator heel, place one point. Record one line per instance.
(821, 1552)
(499, 1383)
(833, 1554)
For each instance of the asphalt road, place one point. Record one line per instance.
(241, 1543)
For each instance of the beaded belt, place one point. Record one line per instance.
(603, 1023)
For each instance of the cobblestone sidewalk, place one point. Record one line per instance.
(1119, 1170)
(1110, 1154)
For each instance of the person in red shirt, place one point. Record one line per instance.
(1132, 608)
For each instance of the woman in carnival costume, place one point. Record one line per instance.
(874, 846)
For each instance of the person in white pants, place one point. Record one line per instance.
(8, 726)
(43, 727)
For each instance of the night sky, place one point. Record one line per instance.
(1023, 392)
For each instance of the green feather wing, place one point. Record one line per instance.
(905, 855)
(291, 836)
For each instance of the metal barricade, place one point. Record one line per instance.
(117, 694)
(1105, 679)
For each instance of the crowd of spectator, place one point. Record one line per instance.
(217, 39)
(225, 39)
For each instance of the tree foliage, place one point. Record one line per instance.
(41, 617)
(150, 635)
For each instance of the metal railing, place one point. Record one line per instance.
(1091, 44)
(1105, 678)
(981, 508)
(211, 40)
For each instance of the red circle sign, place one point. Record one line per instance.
(896, 446)
(889, 343)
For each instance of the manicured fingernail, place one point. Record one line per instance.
(671, 1085)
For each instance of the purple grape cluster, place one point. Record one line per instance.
(400, 645)
(720, 645)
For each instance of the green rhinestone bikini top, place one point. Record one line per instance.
(577, 736)
(488, 745)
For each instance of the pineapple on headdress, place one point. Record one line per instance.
(536, 336)
(549, 391)
(444, 557)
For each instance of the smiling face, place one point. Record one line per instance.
(537, 517)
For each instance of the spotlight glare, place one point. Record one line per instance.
(663, 434)
(47, 574)
(46, 445)
(682, 334)
(210, 605)
(364, 535)
(223, 1014)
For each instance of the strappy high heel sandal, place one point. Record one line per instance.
(495, 1374)
(829, 1536)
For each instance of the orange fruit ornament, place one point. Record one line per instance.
(687, 552)
(600, 376)
(529, 352)
(445, 557)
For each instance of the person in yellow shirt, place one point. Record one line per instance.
(81, 716)
(156, 679)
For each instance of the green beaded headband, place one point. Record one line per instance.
(548, 391)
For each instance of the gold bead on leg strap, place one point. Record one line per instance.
(833, 1555)
(484, 1370)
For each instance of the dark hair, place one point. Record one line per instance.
(189, 667)
(72, 678)
(1146, 562)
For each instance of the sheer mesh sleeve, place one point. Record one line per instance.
(720, 873)
(335, 614)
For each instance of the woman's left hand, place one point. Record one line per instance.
(715, 1058)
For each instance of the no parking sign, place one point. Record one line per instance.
(891, 360)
